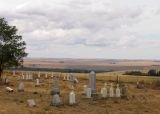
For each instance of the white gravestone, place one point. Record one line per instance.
(104, 91)
(67, 77)
(118, 93)
(89, 93)
(31, 103)
(46, 75)
(37, 83)
(23, 77)
(64, 78)
(72, 98)
(84, 89)
(21, 87)
(39, 75)
(14, 72)
(111, 91)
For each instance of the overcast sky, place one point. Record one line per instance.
(111, 29)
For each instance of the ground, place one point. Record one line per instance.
(139, 101)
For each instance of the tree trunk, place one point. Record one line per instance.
(1, 71)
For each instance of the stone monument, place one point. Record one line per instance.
(104, 90)
(111, 90)
(92, 83)
(118, 93)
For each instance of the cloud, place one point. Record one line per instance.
(91, 23)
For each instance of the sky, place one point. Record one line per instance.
(109, 29)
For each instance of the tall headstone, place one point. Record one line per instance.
(21, 87)
(118, 93)
(104, 90)
(92, 83)
(55, 87)
(111, 90)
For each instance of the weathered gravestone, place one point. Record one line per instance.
(55, 87)
(72, 97)
(92, 83)
(14, 72)
(67, 77)
(46, 75)
(31, 103)
(84, 90)
(64, 78)
(39, 75)
(124, 91)
(21, 87)
(37, 83)
(111, 90)
(56, 101)
(6, 81)
(89, 93)
(104, 90)
(118, 93)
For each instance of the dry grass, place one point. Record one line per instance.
(140, 101)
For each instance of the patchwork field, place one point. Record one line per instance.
(139, 101)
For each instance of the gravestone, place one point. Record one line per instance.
(46, 75)
(84, 90)
(104, 90)
(6, 81)
(124, 91)
(39, 75)
(31, 76)
(27, 76)
(37, 83)
(55, 87)
(21, 87)
(22, 74)
(92, 83)
(31, 103)
(64, 78)
(111, 90)
(23, 77)
(14, 72)
(56, 101)
(67, 77)
(72, 97)
(118, 93)
(89, 93)
(74, 82)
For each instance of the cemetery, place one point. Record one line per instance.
(26, 92)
